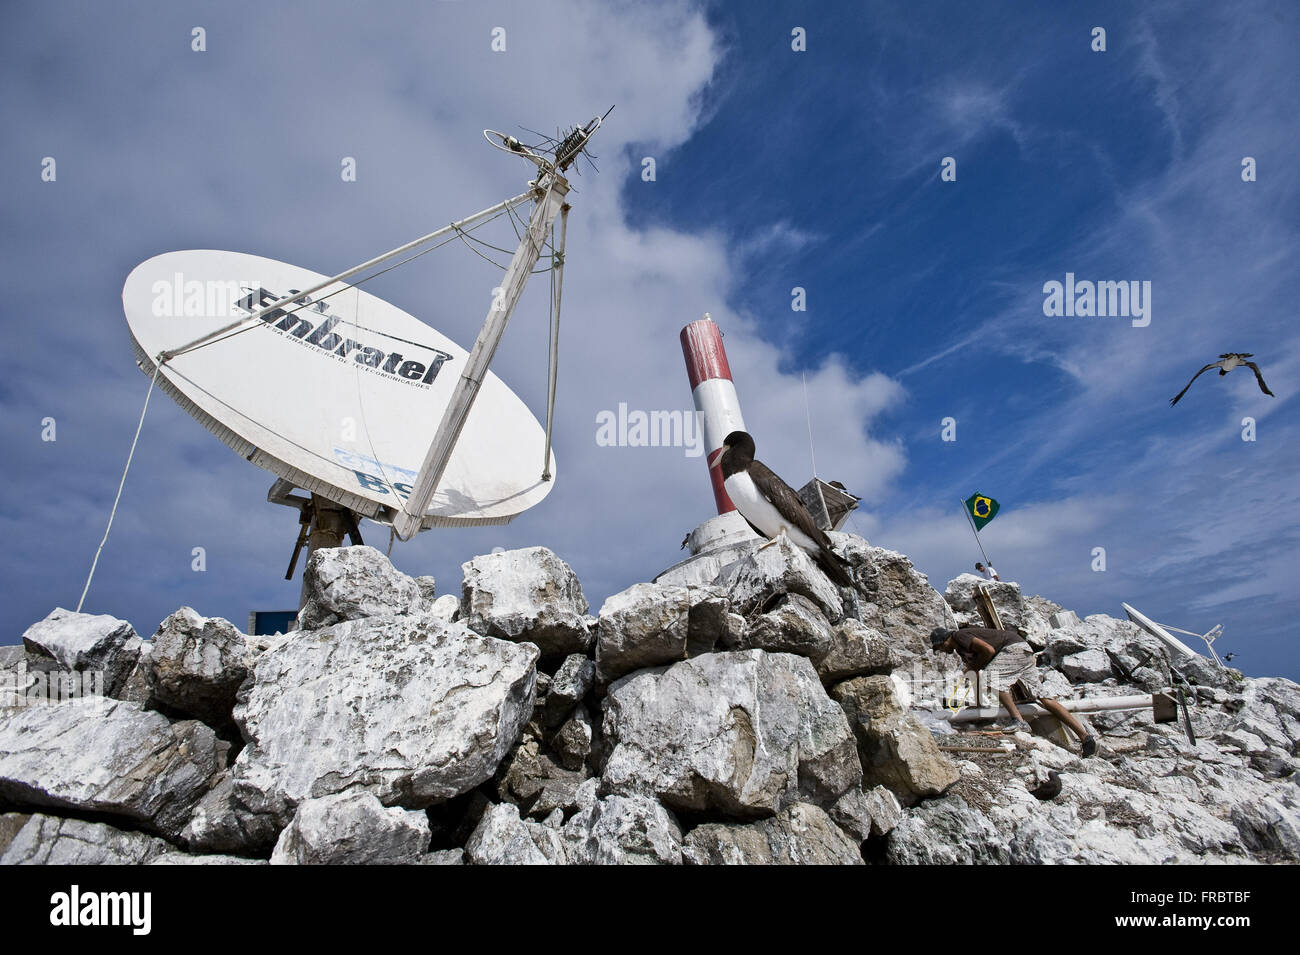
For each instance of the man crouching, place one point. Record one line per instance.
(1011, 666)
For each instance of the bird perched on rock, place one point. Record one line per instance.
(1225, 364)
(771, 507)
(1048, 790)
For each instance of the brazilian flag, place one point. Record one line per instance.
(982, 509)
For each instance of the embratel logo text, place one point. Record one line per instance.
(297, 325)
(74, 907)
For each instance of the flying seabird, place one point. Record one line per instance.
(1225, 364)
(771, 507)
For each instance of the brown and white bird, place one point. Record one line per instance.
(1225, 364)
(771, 507)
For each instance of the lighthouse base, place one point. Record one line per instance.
(714, 544)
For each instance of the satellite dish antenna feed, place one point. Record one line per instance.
(559, 153)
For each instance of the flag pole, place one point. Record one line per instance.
(965, 510)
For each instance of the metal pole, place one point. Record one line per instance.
(555, 341)
(411, 517)
(987, 562)
(295, 296)
(1097, 705)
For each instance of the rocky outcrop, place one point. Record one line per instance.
(800, 834)
(196, 665)
(623, 830)
(781, 568)
(867, 814)
(409, 708)
(793, 625)
(899, 599)
(349, 583)
(50, 840)
(895, 749)
(652, 624)
(221, 822)
(855, 650)
(743, 714)
(503, 838)
(526, 595)
(83, 643)
(108, 756)
(352, 828)
(1031, 616)
(744, 733)
(947, 831)
(571, 682)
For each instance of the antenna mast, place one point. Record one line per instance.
(549, 189)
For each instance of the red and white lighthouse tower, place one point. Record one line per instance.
(721, 538)
(714, 392)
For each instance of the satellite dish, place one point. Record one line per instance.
(338, 395)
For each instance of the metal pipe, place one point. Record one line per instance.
(411, 517)
(1159, 632)
(1096, 705)
(554, 369)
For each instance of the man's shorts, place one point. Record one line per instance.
(1015, 664)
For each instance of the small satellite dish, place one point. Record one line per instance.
(337, 395)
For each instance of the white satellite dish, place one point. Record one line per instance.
(340, 397)
(342, 394)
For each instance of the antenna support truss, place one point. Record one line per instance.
(550, 190)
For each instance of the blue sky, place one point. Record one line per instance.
(774, 169)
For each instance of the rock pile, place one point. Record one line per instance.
(759, 716)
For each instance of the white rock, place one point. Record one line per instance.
(352, 828)
(794, 625)
(901, 602)
(1063, 619)
(745, 732)
(410, 708)
(782, 568)
(49, 840)
(185, 858)
(196, 666)
(800, 834)
(526, 595)
(1269, 825)
(1087, 666)
(83, 642)
(622, 830)
(855, 650)
(643, 626)
(895, 750)
(947, 831)
(867, 814)
(502, 838)
(350, 583)
(446, 607)
(108, 757)
(571, 683)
